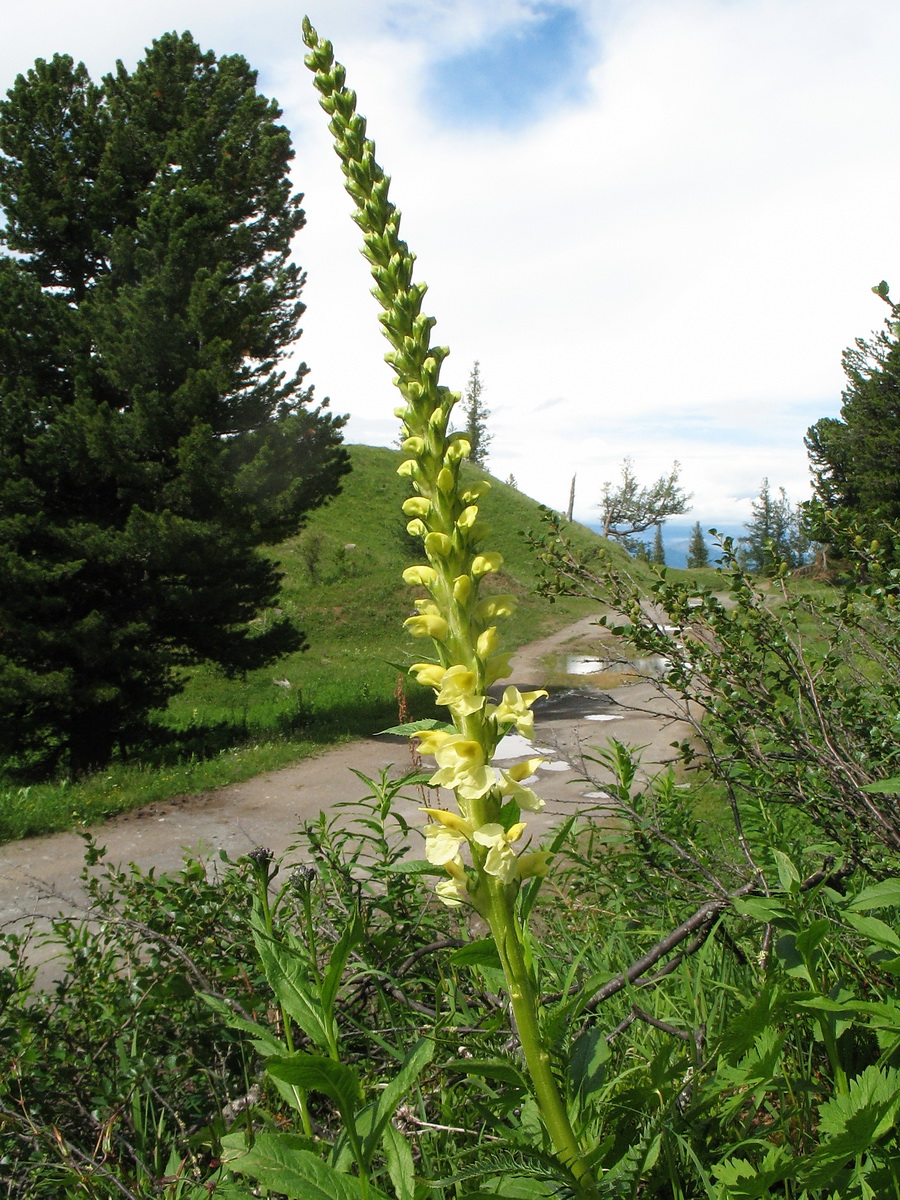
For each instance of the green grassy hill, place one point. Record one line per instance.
(342, 583)
(343, 586)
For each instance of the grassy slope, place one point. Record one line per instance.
(351, 603)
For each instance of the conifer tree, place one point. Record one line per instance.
(476, 414)
(150, 442)
(698, 551)
(658, 553)
(855, 459)
(774, 533)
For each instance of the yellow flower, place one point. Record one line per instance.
(431, 739)
(462, 768)
(476, 492)
(428, 625)
(446, 480)
(458, 691)
(467, 517)
(462, 588)
(420, 576)
(437, 545)
(487, 643)
(524, 769)
(442, 844)
(452, 820)
(453, 891)
(523, 796)
(483, 563)
(516, 707)
(495, 606)
(501, 860)
(416, 506)
(459, 448)
(428, 674)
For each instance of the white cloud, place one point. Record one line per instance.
(668, 269)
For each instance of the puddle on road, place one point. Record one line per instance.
(652, 667)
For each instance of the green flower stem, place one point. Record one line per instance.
(501, 917)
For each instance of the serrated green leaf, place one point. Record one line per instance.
(870, 1107)
(746, 1180)
(854, 1122)
(411, 727)
(281, 1165)
(288, 977)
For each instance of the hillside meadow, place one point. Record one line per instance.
(342, 583)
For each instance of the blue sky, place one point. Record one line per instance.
(655, 223)
(523, 71)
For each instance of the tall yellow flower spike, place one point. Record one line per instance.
(444, 514)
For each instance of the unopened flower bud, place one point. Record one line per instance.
(477, 492)
(416, 506)
(483, 563)
(420, 576)
(458, 448)
(427, 625)
(462, 588)
(437, 545)
(446, 480)
(487, 643)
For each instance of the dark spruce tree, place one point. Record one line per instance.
(150, 444)
(698, 551)
(855, 459)
(658, 553)
(476, 413)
